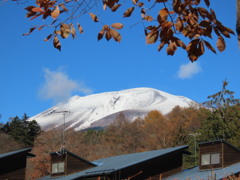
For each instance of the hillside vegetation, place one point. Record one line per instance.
(220, 120)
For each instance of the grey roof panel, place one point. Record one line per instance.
(15, 152)
(115, 163)
(196, 174)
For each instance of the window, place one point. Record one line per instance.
(205, 159)
(215, 158)
(208, 159)
(58, 167)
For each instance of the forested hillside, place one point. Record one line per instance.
(182, 126)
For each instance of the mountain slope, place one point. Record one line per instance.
(99, 110)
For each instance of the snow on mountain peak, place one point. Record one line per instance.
(102, 109)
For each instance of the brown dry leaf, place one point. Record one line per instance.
(207, 2)
(166, 24)
(108, 35)
(128, 12)
(148, 18)
(65, 30)
(30, 14)
(216, 31)
(140, 4)
(115, 7)
(106, 27)
(117, 37)
(204, 13)
(38, 2)
(229, 30)
(179, 42)
(48, 37)
(176, 5)
(200, 49)
(117, 25)
(73, 31)
(179, 24)
(57, 32)
(110, 3)
(209, 46)
(80, 29)
(163, 15)
(64, 8)
(135, 1)
(221, 44)
(160, 1)
(94, 17)
(30, 31)
(101, 34)
(224, 30)
(189, 47)
(56, 43)
(55, 13)
(192, 57)
(47, 13)
(150, 27)
(104, 5)
(37, 9)
(161, 46)
(152, 37)
(40, 28)
(143, 12)
(172, 47)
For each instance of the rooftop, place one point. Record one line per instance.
(196, 174)
(15, 152)
(112, 164)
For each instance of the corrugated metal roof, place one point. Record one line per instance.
(15, 152)
(196, 174)
(112, 164)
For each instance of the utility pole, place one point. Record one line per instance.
(195, 146)
(63, 133)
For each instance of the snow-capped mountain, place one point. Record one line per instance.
(100, 110)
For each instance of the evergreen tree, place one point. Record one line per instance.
(223, 116)
(22, 130)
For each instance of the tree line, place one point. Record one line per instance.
(18, 133)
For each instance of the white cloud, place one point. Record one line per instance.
(188, 70)
(59, 87)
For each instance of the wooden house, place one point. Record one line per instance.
(65, 163)
(217, 160)
(13, 164)
(136, 166)
(217, 154)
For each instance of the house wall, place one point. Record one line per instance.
(13, 167)
(231, 155)
(72, 163)
(210, 149)
(56, 158)
(75, 164)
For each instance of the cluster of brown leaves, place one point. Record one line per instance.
(193, 22)
(174, 18)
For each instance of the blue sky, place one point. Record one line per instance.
(34, 76)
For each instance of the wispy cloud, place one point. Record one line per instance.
(59, 87)
(188, 70)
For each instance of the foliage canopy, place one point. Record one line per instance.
(22, 130)
(173, 24)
